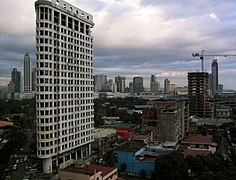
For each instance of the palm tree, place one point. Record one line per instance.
(110, 157)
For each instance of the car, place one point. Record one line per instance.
(21, 160)
(32, 170)
(17, 161)
(29, 167)
(35, 165)
(26, 177)
(14, 167)
(25, 159)
(26, 167)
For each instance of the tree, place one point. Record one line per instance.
(204, 131)
(110, 158)
(123, 167)
(143, 174)
(171, 166)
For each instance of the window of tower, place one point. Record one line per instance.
(87, 29)
(46, 13)
(63, 19)
(70, 22)
(56, 17)
(42, 12)
(82, 27)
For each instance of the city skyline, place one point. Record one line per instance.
(137, 38)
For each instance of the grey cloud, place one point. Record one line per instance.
(135, 37)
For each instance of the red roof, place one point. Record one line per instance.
(198, 140)
(191, 152)
(90, 169)
(5, 123)
(105, 169)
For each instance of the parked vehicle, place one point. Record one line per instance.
(14, 167)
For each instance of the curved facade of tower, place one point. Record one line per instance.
(64, 83)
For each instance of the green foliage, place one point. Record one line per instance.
(123, 167)
(204, 131)
(110, 158)
(116, 107)
(212, 166)
(171, 166)
(217, 138)
(225, 126)
(143, 174)
(26, 106)
(15, 138)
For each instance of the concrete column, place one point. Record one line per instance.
(47, 165)
(89, 148)
(82, 156)
(76, 157)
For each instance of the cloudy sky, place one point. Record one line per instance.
(136, 37)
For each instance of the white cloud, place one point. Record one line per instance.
(214, 16)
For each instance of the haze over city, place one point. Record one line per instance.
(136, 38)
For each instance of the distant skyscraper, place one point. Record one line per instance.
(100, 83)
(112, 86)
(153, 78)
(172, 88)
(131, 87)
(166, 86)
(64, 89)
(120, 82)
(138, 85)
(34, 79)
(154, 85)
(16, 79)
(214, 72)
(11, 87)
(220, 87)
(27, 74)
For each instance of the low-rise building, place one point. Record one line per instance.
(193, 145)
(222, 111)
(124, 131)
(5, 126)
(168, 119)
(104, 137)
(88, 172)
(137, 158)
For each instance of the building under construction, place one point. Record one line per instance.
(198, 92)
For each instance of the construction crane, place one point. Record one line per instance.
(202, 55)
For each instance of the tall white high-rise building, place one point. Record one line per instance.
(27, 74)
(64, 83)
